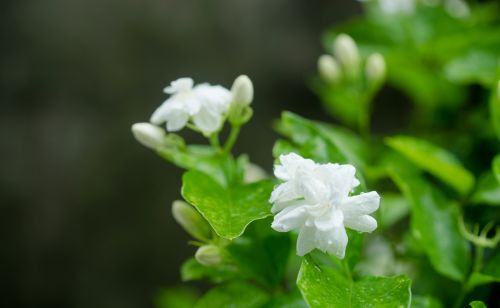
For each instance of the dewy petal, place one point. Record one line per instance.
(365, 203)
(363, 223)
(291, 218)
(306, 241)
(284, 192)
(336, 242)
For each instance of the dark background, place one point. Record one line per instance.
(84, 209)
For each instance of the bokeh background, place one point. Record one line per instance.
(84, 209)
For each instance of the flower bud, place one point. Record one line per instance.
(329, 68)
(346, 51)
(375, 69)
(242, 90)
(209, 255)
(149, 135)
(191, 220)
(240, 111)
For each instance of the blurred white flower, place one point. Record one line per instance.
(457, 8)
(329, 68)
(347, 53)
(149, 135)
(393, 7)
(314, 199)
(203, 104)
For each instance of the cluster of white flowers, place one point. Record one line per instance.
(203, 106)
(315, 199)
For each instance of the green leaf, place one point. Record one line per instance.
(434, 222)
(228, 210)
(178, 297)
(487, 190)
(261, 253)
(192, 270)
(478, 279)
(477, 304)
(323, 142)
(434, 160)
(477, 66)
(233, 295)
(322, 286)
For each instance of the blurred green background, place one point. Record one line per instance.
(85, 210)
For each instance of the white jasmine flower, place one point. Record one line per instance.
(314, 199)
(204, 104)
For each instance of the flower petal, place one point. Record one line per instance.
(362, 204)
(290, 218)
(306, 241)
(363, 223)
(176, 120)
(207, 122)
(333, 242)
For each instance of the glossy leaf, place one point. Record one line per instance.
(434, 160)
(434, 222)
(235, 295)
(323, 142)
(228, 210)
(262, 254)
(323, 286)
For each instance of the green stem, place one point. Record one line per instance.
(476, 267)
(214, 141)
(347, 270)
(233, 135)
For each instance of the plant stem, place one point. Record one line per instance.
(235, 130)
(214, 141)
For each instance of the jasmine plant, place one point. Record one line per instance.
(351, 218)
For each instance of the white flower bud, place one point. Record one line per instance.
(329, 68)
(209, 255)
(375, 68)
(149, 135)
(191, 220)
(346, 51)
(242, 90)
